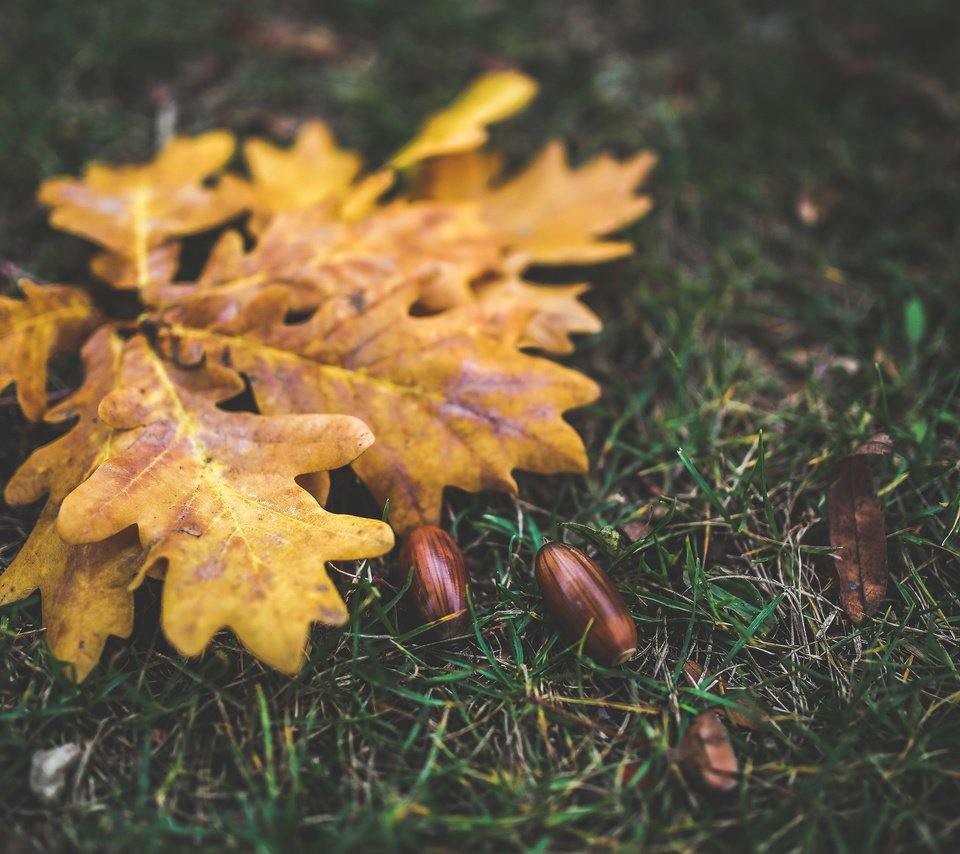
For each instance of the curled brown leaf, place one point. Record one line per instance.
(707, 754)
(857, 531)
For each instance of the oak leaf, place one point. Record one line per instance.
(556, 312)
(213, 495)
(52, 320)
(84, 588)
(131, 210)
(313, 170)
(451, 402)
(315, 256)
(462, 125)
(549, 213)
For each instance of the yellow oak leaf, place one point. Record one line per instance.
(451, 403)
(462, 125)
(159, 267)
(213, 496)
(132, 209)
(456, 177)
(445, 248)
(556, 313)
(52, 320)
(313, 170)
(549, 213)
(362, 197)
(84, 588)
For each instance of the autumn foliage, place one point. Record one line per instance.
(394, 336)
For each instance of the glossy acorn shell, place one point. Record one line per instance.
(576, 590)
(439, 584)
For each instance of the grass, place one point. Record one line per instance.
(744, 350)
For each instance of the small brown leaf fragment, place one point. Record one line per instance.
(745, 714)
(636, 530)
(857, 531)
(707, 754)
(878, 445)
(628, 776)
(693, 670)
(284, 36)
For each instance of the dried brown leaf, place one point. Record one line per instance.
(707, 754)
(857, 531)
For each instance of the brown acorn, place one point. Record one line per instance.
(576, 590)
(439, 584)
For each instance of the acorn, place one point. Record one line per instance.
(577, 591)
(439, 584)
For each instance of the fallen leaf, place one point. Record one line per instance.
(742, 711)
(556, 311)
(857, 531)
(157, 268)
(462, 125)
(451, 404)
(551, 214)
(52, 320)
(49, 769)
(455, 177)
(213, 495)
(133, 209)
(279, 35)
(313, 170)
(314, 257)
(84, 588)
(635, 775)
(693, 670)
(707, 754)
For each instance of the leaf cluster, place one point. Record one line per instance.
(379, 319)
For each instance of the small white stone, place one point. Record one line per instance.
(48, 771)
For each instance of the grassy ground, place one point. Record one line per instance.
(735, 320)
